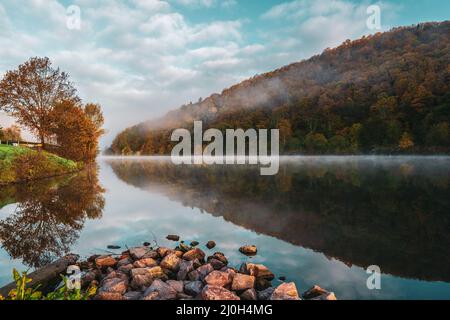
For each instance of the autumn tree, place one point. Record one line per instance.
(31, 93)
(77, 130)
(13, 133)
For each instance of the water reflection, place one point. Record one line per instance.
(49, 216)
(392, 212)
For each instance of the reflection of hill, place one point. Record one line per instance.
(49, 216)
(393, 215)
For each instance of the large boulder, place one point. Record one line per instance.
(285, 291)
(193, 288)
(104, 262)
(218, 279)
(145, 263)
(184, 269)
(115, 285)
(218, 293)
(259, 271)
(242, 282)
(249, 250)
(165, 291)
(171, 262)
(194, 254)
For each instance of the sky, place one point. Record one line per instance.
(141, 58)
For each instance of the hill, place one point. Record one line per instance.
(384, 93)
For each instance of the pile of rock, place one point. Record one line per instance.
(185, 273)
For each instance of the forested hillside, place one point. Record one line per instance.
(385, 93)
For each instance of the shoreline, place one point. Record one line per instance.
(185, 272)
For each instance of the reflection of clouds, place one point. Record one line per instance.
(131, 215)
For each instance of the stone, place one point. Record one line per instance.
(218, 279)
(177, 285)
(152, 254)
(163, 251)
(114, 275)
(194, 254)
(193, 288)
(249, 295)
(171, 262)
(113, 247)
(262, 284)
(152, 296)
(326, 296)
(216, 264)
(210, 245)
(141, 282)
(204, 270)
(146, 244)
(218, 293)
(133, 296)
(145, 263)
(126, 269)
(165, 291)
(314, 292)
(108, 296)
(259, 271)
(104, 262)
(265, 294)
(172, 237)
(185, 268)
(242, 282)
(282, 278)
(194, 243)
(115, 285)
(194, 276)
(219, 256)
(249, 250)
(124, 262)
(138, 253)
(89, 277)
(285, 291)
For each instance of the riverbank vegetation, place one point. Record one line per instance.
(42, 99)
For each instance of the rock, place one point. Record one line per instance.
(141, 282)
(178, 253)
(262, 284)
(194, 276)
(194, 243)
(124, 262)
(178, 286)
(285, 291)
(92, 258)
(250, 295)
(152, 296)
(185, 268)
(157, 273)
(165, 291)
(326, 296)
(265, 294)
(163, 251)
(218, 279)
(138, 253)
(144, 277)
(183, 247)
(193, 288)
(183, 296)
(242, 282)
(219, 256)
(216, 264)
(248, 250)
(171, 262)
(88, 277)
(112, 247)
(282, 278)
(146, 244)
(204, 270)
(314, 292)
(115, 285)
(172, 237)
(133, 295)
(145, 263)
(151, 255)
(210, 245)
(218, 293)
(126, 269)
(104, 262)
(108, 296)
(114, 275)
(259, 271)
(194, 254)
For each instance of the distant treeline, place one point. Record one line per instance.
(386, 93)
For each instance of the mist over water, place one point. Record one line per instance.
(321, 220)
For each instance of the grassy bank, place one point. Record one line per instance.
(18, 164)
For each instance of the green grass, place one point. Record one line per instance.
(23, 164)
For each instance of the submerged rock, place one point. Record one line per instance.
(194, 254)
(172, 237)
(210, 245)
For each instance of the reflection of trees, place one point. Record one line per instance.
(49, 216)
(393, 214)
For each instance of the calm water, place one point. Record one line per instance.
(320, 221)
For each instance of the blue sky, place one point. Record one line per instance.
(142, 58)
